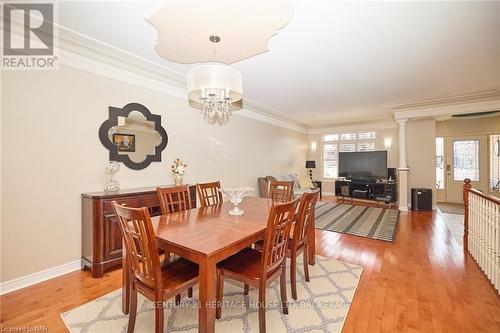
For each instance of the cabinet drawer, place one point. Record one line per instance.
(134, 202)
(150, 200)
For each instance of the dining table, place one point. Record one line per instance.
(207, 235)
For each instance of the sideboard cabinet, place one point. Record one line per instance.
(101, 235)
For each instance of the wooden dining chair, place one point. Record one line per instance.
(298, 242)
(156, 281)
(281, 191)
(209, 194)
(260, 269)
(174, 199)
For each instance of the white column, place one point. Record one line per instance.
(402, 143)
(403, 167)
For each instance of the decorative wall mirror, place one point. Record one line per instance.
(133, 135)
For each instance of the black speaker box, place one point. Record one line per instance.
(421, 199)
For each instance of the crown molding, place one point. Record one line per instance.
(86, 53)
(77, 50)
(364, 126)
(263, 113)
(83, 52)
(441, 109)
(81, 47)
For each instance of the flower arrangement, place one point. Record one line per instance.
(178, 168)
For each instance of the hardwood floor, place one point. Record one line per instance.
(421, 283)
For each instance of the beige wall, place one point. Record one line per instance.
(381, 135)
(457, 127)
(51, 153)
(420, 155)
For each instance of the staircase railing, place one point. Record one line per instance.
(482, 231)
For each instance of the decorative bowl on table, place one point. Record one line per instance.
(236, 195)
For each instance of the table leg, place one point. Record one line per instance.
(125, 282)
(208, 280)
(311, 242)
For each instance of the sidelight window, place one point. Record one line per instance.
(494, 182)
(439, 163)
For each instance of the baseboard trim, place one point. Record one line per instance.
(31, 279)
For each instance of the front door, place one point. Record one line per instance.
(466, 157)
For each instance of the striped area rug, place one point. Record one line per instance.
(370, 222)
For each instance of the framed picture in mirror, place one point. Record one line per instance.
(124, 142)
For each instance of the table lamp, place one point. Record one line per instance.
(311, 165)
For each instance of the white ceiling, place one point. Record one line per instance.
(338, 62)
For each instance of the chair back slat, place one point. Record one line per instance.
(140, 244)
(174, 199)
(304, 217)
(277, 235)
(209, 194)
(281, 191)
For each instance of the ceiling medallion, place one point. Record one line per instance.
(244, 27)
(243, 31)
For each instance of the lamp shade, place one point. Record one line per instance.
(214, 79)
(310, 164)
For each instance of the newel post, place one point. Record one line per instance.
(467, 187)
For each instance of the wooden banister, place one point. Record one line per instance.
(482, 231)
(485, 195)
(467, 187)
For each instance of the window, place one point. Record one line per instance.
(439, 163)
(347, 147)
(466, 160)
(366, 146)
(366, 135)
(494, 162)
(361, 141)
(330, 160)
(347, 136)
(331, 137)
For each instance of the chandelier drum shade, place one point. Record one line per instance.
(215, 87)
(236, 30)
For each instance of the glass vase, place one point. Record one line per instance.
(177, 179)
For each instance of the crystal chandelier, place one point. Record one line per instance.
(215, 88)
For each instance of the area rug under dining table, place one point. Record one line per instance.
(322, 305)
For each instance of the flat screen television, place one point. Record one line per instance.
(369, 165)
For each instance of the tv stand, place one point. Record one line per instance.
(380, 191)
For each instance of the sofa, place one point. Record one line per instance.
(264, 184)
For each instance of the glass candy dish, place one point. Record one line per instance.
(236, 195)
